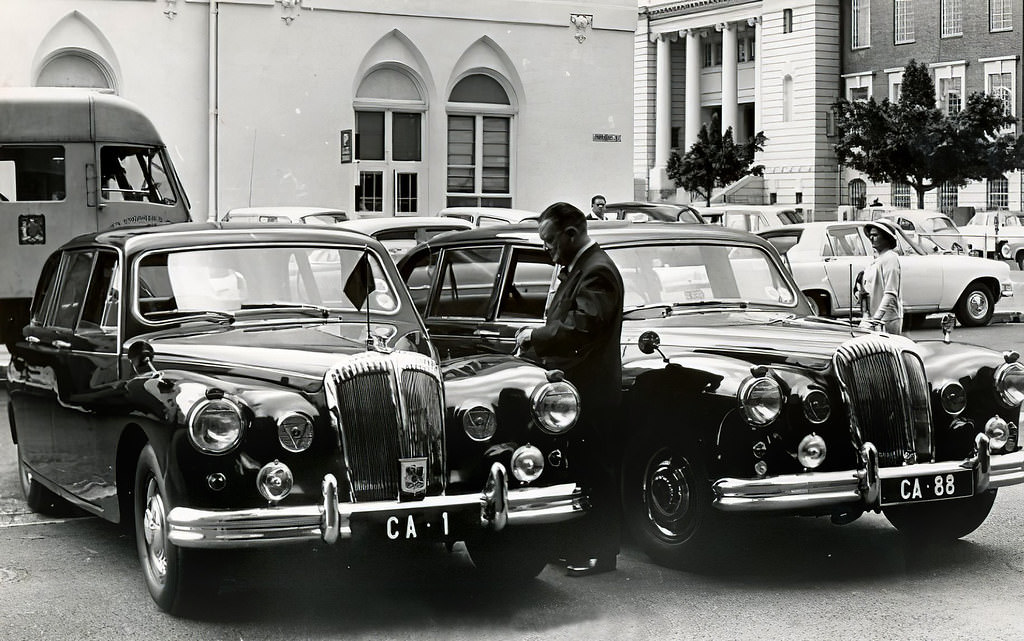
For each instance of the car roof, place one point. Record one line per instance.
(370, 225)
(605, 232)
(176, 235)
(289, 211)
(496, 212)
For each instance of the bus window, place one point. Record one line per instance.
(32, 173)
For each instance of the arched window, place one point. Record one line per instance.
(389, 108)
(858, 191)
(73, 69)
(479, 143)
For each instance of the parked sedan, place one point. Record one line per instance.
(994, 233)
(753, 218)
(646, 211)
(826, 257)
(297, 215)
(924, 224)
(399, 234)
(738, 400)
(226, 386)
(487, 216)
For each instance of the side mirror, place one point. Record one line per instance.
(140, 354)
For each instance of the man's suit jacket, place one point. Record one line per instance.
(583, 328)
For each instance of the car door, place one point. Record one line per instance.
(526, 289)
(85, 330)
(921, 279)
(850, 254)
(460, 314)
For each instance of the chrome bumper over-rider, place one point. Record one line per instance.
(862, 485)
(497, 506)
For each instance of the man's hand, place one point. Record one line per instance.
(523, 338)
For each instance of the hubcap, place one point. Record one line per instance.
(977, 305)
(155, 530)
(668, 494)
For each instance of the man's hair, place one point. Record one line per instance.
(564, 216)
(595, 197)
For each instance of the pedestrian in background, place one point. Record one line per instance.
(597, 203)
(882, 297)
(581, 337)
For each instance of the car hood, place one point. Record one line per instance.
(271, 353)
(748, 336)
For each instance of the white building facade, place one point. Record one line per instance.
(762, 65)
(379, 107)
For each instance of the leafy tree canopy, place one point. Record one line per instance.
(714, 160)
(913, 141)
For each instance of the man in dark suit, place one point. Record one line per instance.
(581, 337)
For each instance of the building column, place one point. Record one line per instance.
(693, 66)
(662, 114)
(730, 107)
(756, 24)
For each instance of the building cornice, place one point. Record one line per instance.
(684, 7)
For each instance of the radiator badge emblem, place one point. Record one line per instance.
(413, 474)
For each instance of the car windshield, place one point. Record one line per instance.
(683, 275)
(791, 217)
(315, 280)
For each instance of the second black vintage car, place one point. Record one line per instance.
(221, 386)
(738, 400)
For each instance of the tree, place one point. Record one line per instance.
(913, 141)
(714, 160)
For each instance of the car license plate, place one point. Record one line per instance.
(416, 526)
(929, 487)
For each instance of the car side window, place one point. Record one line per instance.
(46, 291)
(468, 277)
(847, 241)
(418, 274)
(99, 310)
(528, 285)
(76, 272)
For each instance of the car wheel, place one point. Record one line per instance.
(975, 306)
(941, 520)
(509, 556)
(1020, 260)
(38, 497)
(1004, 250)
(666, 500)
(819, 304)
(168, 569)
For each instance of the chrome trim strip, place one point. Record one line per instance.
(255, 527)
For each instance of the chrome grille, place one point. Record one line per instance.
(388, 406)
(888, 397)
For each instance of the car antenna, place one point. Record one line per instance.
(850, 281)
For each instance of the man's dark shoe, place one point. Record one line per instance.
(589, 567)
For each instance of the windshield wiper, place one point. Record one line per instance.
(180, 315)
(665, 308)
(712, 302)
(305, 308)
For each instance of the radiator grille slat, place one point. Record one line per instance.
(389, 407)
(889, 398)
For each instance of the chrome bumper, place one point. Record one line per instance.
(859, 487)
(497, 507)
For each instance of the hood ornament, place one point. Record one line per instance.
(947, 324)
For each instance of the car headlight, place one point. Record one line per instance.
(1010, 383)
(761, 400)
(953, 398)
(556, 406)
(215, 425)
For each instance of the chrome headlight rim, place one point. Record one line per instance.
(948, 400)
(544, 421)
(1009, 397)
(200, 437)
(752, 410)
(810, 401)
(305, 438)
(812, 451)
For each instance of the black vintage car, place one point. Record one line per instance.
(738, 400)
(221, 386)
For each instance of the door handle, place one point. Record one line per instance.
(59, 344)
(487, 333)
(32, 339)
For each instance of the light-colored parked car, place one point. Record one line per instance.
(486, 216)
(399, 234)
(752, 218)
(639, 212)
(826, 257)
(300, 215)
(924, 224)
(994, 232)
